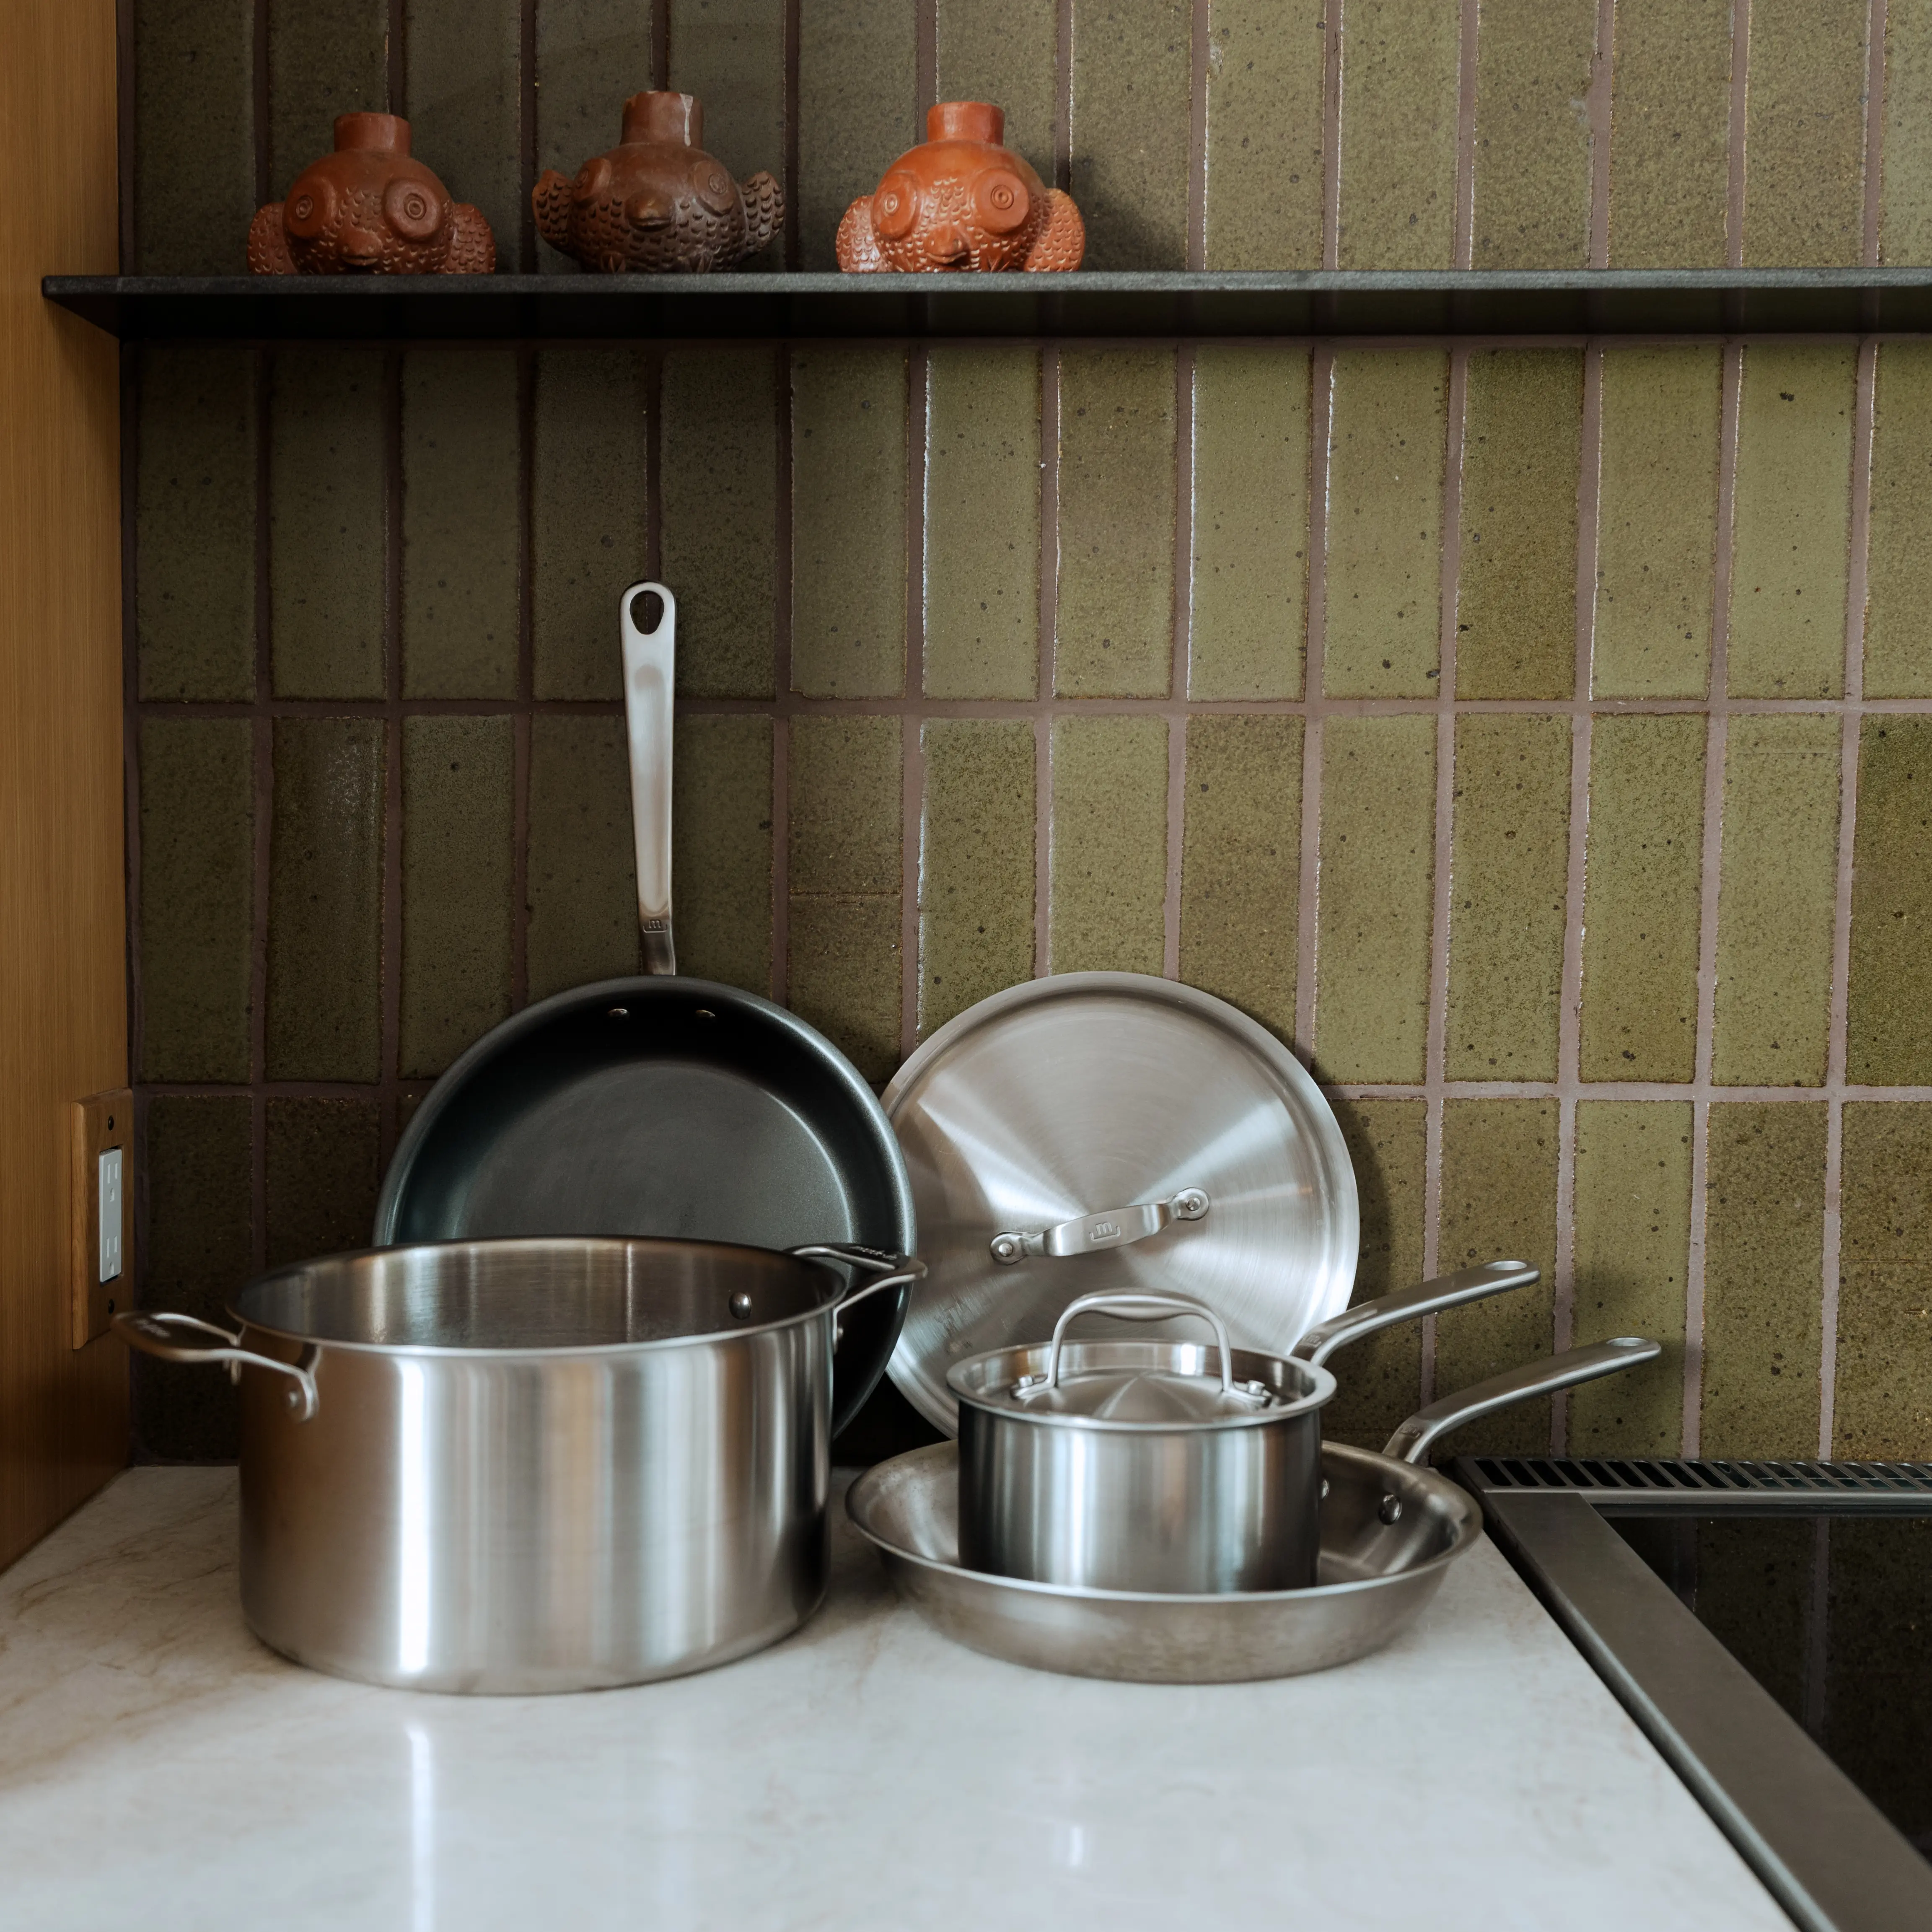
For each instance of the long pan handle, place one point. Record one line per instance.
(649, 678)
(1408, 1304)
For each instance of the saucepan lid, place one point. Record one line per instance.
(1113, 1130)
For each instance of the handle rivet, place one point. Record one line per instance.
(741, 1305)
(1390, 1511)
(1006, 1248)
(618, 1013)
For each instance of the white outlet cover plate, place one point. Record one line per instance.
(107, 1239)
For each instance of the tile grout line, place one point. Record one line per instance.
(1602, 108)
(1332, 58)
(925, 60)
(1735, 145)
(526, 132)
(660, 46)
(1467, 49)
(522, 723)
(782, 710)
(1046, 668)
(389, 980)
(128, 372)
(790, 243)
(1308, 885)
(1199, 57)
(261, 737)
(912, 747)
(1178, 669)
(1876, 24)
(1063, 94)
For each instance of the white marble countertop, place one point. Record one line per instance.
(160, 1768)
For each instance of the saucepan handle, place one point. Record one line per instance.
(650, 679)
(1431, 1298)
(1412, 1440)
(172, 1337)
(1140, 1305)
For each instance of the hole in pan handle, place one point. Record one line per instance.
(1112, 1228)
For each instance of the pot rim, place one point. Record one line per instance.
(571, 1350)
(1031, 1357)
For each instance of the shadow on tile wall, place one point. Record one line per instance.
(1540, 736)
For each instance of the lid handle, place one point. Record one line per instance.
(1140, 1305)
(649, 659)
(1112, 1228)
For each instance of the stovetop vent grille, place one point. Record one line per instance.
(1604, 1479)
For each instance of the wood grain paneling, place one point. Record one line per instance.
(63, 991)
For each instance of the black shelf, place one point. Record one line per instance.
(1603, 301)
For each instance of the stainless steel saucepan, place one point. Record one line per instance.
(532, 1466)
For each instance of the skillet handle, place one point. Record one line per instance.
(649, 677)
(1412, 1440)
(173, 1338)
(1431, 1298)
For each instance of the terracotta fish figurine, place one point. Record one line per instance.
(657, 203)
(962, 201)
(368, 209)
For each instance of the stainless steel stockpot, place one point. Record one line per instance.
(532, 1466)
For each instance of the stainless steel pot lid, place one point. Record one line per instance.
(1112, 1130)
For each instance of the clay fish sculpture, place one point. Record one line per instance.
(657, 203)
(962, 201)
(368, 209)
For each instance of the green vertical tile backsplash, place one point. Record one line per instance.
(1003, 51)
(1240, 863)
(1516, 615)
(1533, 64)
(1115, 636)
(325, 900)
(1267, 76)
(326, 57)
(1251, 490)
(1384, 589)
(1764, 1233)
(193, 163)
(1377, 870)
(1804, 133)
(1109, 849)
(1401, 77)
(976, 864)
(324, 1168)
(1884, 1396)
(590, 55)
(1793, 520)
(982, 522)
(1905, 216)
(857, 99)
(1641, 906)
(581, 912)
(1888, 1041)
(1897, 640)
(721, 850)
(462, 528)
(1509, 869)
(731, 55)
(1778, 894)
(457, 881)
(194, 522)
(848, 503)
(1633, 1242)
(1670, 123)
(463, 96)
(1132, 104)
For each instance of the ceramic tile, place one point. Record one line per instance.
(858, 108)
(1266, 65)
(1132, 61)
(590, 55)
(1498, 1204)
(1516, 627)
(198, 1249)
(1804, 133)
(1240, 864)
(1109, 835)
(587, 516)
(195, 935)
(1890, 983)
(848, 503)
(1377, 861)
(1384, 589)
(731, 54)
(1905, 203)
(721, 850)
(844, 957)
(327, 572)
(458, 896)
(845, 823)
(326, 57)
(719, 471)
(1116, 507)
(324, 900)
(1792, 522)
(1776, 902)
(325, 1166)
(981, 588)
(581, 918)
(1764, 1233)
(1670, 122)
(1251, 483)
(1632, 1248)
(1003, 51)
(1657, 520)
(1883, 1408)
(194, 521)
(462, 527)
(1532, 187)
(193, 169)
(1509, 872)
(464, 96)
(1642, 905)
(976, 863)
(1380, 1379)
(1897, 643)
(1400, 86)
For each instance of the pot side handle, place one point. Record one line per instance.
(169, 1336)
(1413, 1440)
(1430, 1298)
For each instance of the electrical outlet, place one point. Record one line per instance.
(101, 1273)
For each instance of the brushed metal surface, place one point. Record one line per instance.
(1088, 1092)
